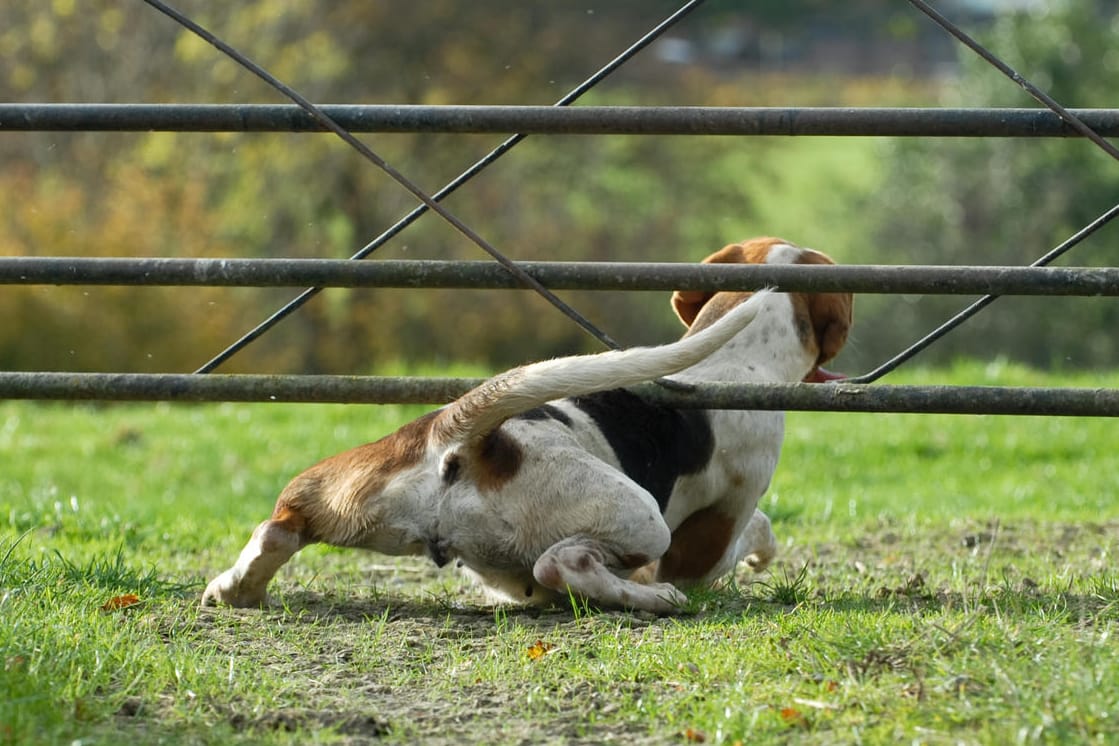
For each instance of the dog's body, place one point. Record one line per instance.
(553, 479)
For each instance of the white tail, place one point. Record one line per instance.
(482, 409)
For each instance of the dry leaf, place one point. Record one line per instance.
(539, 649)
(694, 736)
(793, 716)
(120, 602)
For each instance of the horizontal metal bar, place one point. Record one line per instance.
(174, 387)
(578, 120)
(392, 390)
(947, 280)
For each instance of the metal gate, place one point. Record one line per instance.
(522, 121)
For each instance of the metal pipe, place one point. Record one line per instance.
(944, 280)
(407, 390)
(581, 120)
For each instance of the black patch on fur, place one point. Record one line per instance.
(546, 412)
(498, 460)
(655, 444)
(451, 469)
(437, 549)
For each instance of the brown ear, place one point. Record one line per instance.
(688, 303)
(831, 313)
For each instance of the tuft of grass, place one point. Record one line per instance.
(785, 590)
(112, 573)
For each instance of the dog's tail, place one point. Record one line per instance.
(483, 409)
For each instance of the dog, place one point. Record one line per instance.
(552, 479)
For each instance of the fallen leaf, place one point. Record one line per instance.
(694, 736)
(120, 602)
(539, 649)
(793, 716)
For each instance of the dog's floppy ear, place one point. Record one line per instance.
(688, 303)
(831, 318)
(831, 313)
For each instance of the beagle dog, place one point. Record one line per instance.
(552, 479)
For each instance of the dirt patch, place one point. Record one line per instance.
(357, 726)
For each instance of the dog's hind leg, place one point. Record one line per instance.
(757, 544)
(586, 567)
(344, 500)
(272, 544)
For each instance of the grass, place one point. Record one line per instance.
(942, 579)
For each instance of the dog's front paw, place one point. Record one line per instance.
(226, 590)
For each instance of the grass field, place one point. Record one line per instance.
(943, 579)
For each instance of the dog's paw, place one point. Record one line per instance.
(224, 590)
(670, 593)
(760, 543)
(759, 560)
(659, 598)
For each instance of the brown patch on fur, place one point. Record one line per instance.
(714, 308)
(687, 303)
(497, 459)
(290, 520)
(330, 497)
(697, 545)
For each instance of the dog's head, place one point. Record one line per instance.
(823, 319)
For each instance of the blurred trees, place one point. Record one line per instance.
(310, 195)
(1009, 201)
(570, 198)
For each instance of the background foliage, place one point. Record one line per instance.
(571, 198)
(1009, 201)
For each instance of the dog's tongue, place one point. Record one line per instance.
(823, 375)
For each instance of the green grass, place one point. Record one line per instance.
(942, 579)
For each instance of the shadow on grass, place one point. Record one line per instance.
(720, 606)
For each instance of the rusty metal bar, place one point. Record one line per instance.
(945, 280)
(408, 390)
(550, 120)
